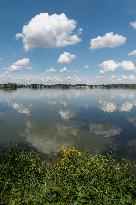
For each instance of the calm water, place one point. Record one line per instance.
(51, 118)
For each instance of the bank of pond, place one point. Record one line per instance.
(68, 177)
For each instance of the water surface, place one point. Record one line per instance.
(48, 119)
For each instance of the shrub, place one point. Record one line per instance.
(70, 177)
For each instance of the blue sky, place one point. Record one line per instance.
(54, 46)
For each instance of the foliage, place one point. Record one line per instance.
(8, 86)
(69, 177)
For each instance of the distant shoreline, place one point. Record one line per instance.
(14, 86)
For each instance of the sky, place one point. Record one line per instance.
(71, 41)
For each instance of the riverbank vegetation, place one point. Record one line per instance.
(69, 177)
(5, 86)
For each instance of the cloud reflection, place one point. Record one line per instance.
(51, 102)
(47, 139)
(132, 120)
(104, 129)
(66, 114)
(20, 108)
(108, 106)
(63, 103)
(126, 107)
(132, 143)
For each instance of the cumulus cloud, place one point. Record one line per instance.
(132, 53)
(19, 65)
(133, 25)
(109, 40)
(49, 31)
(51, 70)
(111, 65)
(63, 69)
(125, 77)
(127, 65)
(43, 78)
(66, 58)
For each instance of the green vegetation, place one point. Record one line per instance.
(8, 86)
(69, 177)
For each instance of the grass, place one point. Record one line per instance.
(70, 177)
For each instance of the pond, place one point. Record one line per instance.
(92, 119)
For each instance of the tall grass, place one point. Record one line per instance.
(70, 177)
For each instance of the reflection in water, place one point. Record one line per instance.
(112, 107)
(126, 107)
(132, 143)
(63, 103)
(104, 129)
(66, 114)
(47, 139)
(51, 118)
(132, 120)
(51, 102)
(108, 106)
(21, 108)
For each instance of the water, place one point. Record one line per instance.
(48, 119)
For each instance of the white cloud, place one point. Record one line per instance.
(44, 78)
(132, 53)
(80, 30)
(111, 65)
(63, 69)
(133, 25)
(19, 65)
(127, 65)
(132, 77)
(109, 40)
(51, 70)
(49, 31)
(66, 58)
(87, 66)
